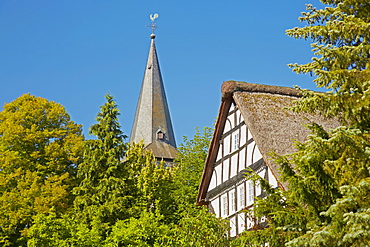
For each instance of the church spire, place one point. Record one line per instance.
(152, 122)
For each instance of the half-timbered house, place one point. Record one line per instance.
(252, 123)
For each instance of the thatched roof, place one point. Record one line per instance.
(273, 127)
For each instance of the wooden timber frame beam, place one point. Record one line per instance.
(212, 152)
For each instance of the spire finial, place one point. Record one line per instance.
(153, 26)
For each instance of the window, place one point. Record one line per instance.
(241, 197)
(224, 205)
(160, 136)
(236, 141)
(232, 201)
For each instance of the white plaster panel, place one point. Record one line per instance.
(243, 135)
(233, 226)
(272, 179)
(213, 182)
(250, 153)
(232, 107)
(234, 166)
(249, 135)
(219, 152)
(241, 222)
(231, 119)
(225, 171)
(242, 159)
(262, 173)
(216, 206)
(249, 223)
(240, 117)
(226, 145)
(227, 126)
(256, 154)
(258, 185)
(218, 170)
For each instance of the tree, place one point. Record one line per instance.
(327, 202)
(120, 183)
(189, 166)
(147, 230)
(195, 225)
(341, 36)
(40, 149)
(51, 230)
(126, 198)
(102, 190)
(199, 228)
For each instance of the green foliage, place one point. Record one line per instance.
(195, 226)
(327, 201)
(120, 182)
(199, 228)
(350, 220)
(341, 42)
(40, 150)
(121, 186)
(103, 190)
(155, 183)
(147, 230)
(189, 166)
(52, 230)
(48, 230)
(126, 198)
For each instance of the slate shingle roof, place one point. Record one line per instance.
(152, 113)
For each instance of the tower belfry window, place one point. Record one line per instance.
(160, 136)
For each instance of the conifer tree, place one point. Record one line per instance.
(327, 203)
(103, 189)
(120, 183)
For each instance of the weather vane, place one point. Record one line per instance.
(153, 26)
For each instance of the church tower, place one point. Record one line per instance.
(152, 123)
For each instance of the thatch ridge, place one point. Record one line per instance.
(229, 87)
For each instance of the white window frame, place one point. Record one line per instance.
(225, 205)
(242, 196)
(232, 201)
(236, 141)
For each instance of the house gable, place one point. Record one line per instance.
(252, 123)
(229, 191)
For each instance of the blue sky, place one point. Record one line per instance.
(76, 51)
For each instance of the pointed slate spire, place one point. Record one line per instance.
(152, 122)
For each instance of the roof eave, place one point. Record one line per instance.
(213, 149)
